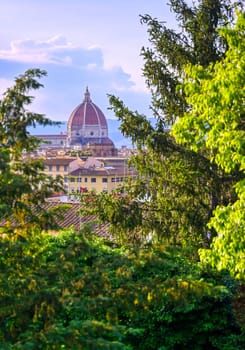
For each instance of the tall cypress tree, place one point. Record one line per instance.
(180, 189)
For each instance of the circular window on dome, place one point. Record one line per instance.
(91, 134)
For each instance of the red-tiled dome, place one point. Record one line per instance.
(87, 121)
(87, 113)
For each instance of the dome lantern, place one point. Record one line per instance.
(87, 96)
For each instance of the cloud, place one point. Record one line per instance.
(70, 69)
(56, 50)
(60, 53)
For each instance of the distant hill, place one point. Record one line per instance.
(113, 127)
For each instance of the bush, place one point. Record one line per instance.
(69, 292)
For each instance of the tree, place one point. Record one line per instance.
(198, 42)
(177, 189)
(23, 182)
(216, 123)
(71, 292)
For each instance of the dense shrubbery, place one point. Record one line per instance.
(68, 292)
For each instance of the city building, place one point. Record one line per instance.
(89, 174)
(85, 157)
(87, 130)
(59, 166)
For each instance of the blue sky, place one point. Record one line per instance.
(94, 43)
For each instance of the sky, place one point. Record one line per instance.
(80, 43)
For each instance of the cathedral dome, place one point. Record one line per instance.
(87, 124)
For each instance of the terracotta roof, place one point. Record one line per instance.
(72, 218)
(101, 171)
(58, 161)
(98, 141)
(89, 171)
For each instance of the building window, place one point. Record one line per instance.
(79, 179)
(57, 168)
(65, 179)
(65, 167)
(85, 179)
(104, 179)
(93, 179)
(72, 179)
(50, 168)
(91, 133)
(113, 179)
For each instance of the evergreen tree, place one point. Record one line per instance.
(23, 182)
(182, 187)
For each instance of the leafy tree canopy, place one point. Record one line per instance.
(69, 292)
(23, 182)
(216, 123)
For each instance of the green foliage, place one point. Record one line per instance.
(216, 94)
(197, 42)
(74, 292)
(216, 123)
(68, 292)
(124, 216)
(22, 180)
(179, 188)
